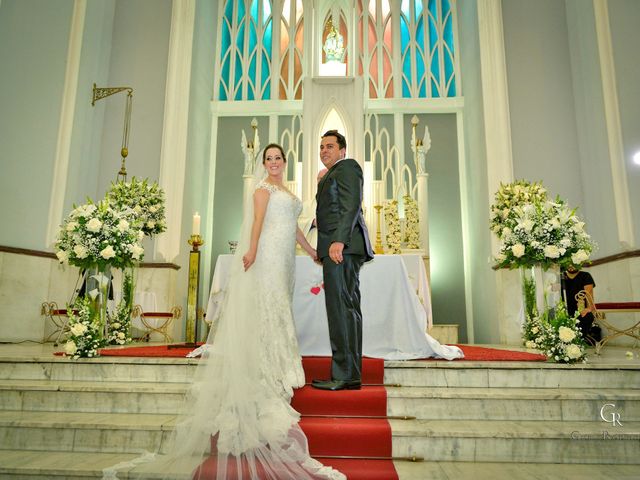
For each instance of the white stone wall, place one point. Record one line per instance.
(27, 281)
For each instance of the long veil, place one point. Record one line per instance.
(235, 425)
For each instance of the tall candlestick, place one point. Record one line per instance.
(196, 224)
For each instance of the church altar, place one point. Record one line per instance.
(396, 306)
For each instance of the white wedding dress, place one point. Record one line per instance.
(238, 419)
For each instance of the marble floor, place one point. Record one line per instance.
(609, 356)
(76, 465)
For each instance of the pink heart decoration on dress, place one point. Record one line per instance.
(315, 290)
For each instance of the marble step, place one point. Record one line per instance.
(407, 373)
(103, 369)
(422, 402)
(558, 404)
(101, 397)
(511, 374)
(513, 471)
(435, 440)
(518, 441)
(38, 465)
(84, 432)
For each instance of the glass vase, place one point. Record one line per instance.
(98, 282)
(541, 290)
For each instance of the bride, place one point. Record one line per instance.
(238, 421)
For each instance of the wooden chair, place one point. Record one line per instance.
(599, 312)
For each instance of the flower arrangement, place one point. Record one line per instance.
(143, 200)
(392, 223)
(120, 322)
(412, 223)
(535, 230)
(85, 335)
(557, 335)
(516, 194)
(99, 235)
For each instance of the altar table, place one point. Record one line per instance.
(396, 306)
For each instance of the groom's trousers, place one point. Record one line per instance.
(342, 298)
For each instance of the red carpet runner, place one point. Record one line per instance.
(471, 353)
(341, 431)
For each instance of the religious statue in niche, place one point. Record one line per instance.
(420, 147)
(249, 148)
(334, 44)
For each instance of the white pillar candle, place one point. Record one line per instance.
(196, 224)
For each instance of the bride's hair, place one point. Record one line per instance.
(273, 145)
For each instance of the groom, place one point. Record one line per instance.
(343, 246)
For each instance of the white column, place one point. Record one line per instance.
(495, 95)
(624, 217)
(65, 127)
(423, 201)
(497, 129)
(175, 127)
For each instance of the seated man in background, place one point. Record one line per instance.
(573, 281)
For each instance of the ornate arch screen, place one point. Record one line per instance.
(260, 50)
(405, 49)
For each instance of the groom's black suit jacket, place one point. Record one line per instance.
(339, 211)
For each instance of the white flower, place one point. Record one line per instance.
(153, 209)
(78, 329)
(71, 226)
(120, 335)
(566, 334)
(94, 293)
(102, 279)
(500, 257)
(517, 250)
(574, 351)
(506, 232)
(108, 252)
(70, 347)
(565, 242)
(151, 224)
(535, 330)
(115, 325)
(140, 234)
(579, 257)
(526, 225)
(80, 251)
(62, 256)
(578, 227)
(137, 209)
(94, 225)
(530, 344)
(551, 251)
(84, 210)
(136, 251)
(123, 225)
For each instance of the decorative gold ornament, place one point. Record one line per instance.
(103, 92)
(378, 248)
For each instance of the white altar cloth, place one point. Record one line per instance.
(394, 318)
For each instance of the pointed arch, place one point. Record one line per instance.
(333, 112)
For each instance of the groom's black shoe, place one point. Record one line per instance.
(337, 384)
